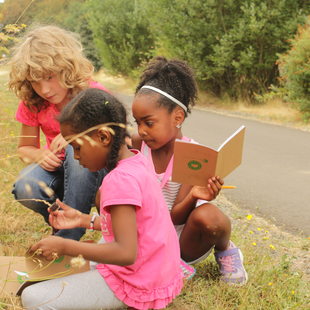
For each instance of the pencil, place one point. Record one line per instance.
(228, 187)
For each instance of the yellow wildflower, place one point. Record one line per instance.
(254, 243)
(272, 247)
(249, 217)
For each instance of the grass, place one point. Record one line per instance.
(276, 261)
(272, 111)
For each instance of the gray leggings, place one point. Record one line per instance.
(81, 291)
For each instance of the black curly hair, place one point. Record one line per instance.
(174, 77)
(92, 107)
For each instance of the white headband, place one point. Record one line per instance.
(179, 103)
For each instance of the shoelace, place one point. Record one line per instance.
(227, 262)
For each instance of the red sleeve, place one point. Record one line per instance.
(25, 116)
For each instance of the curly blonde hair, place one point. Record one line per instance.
(47, 50)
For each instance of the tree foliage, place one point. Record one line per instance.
(76, 20)
(8, 36)
(70, 14)
(295, 70)
(121, 34)
(11, 10)
(34, 11)
(232, 45)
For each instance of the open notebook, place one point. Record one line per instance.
(194, 164)
(17, 272)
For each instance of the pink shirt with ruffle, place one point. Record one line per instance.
(155, 278)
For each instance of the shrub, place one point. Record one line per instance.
(295, 70)
(232, 45)
(121, 34)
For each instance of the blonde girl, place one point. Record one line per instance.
(48, 69)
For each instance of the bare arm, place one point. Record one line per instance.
(29, 143)
(29, 149)
(122, 251)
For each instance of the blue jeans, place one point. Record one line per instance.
(74, 185)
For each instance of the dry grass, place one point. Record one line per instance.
(273, 111)
(116, 83)
(276, 261)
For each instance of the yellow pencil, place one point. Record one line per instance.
(228, 187)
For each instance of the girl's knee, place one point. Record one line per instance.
(29, 298)
(32, 197)
(22, 189)
(210, 218)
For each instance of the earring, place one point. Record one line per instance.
(178, 126)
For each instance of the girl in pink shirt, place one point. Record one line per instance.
(48, 68)
(139, 263)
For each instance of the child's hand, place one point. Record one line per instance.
(48, 160)
(65, 217)
(50, 248)
(58, 144)
(208, 192)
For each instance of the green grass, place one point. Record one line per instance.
(276, 261)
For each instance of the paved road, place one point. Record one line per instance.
(274, 177)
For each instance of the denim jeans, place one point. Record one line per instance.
(74, 185)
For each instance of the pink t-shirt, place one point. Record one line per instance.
(155, 278)
(45, 118)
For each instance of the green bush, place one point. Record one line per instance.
(295, 70)
(232, 45)
(76, 21)
(121, 34)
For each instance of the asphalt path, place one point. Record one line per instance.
(273, 180)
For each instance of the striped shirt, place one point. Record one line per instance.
(170, 189)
